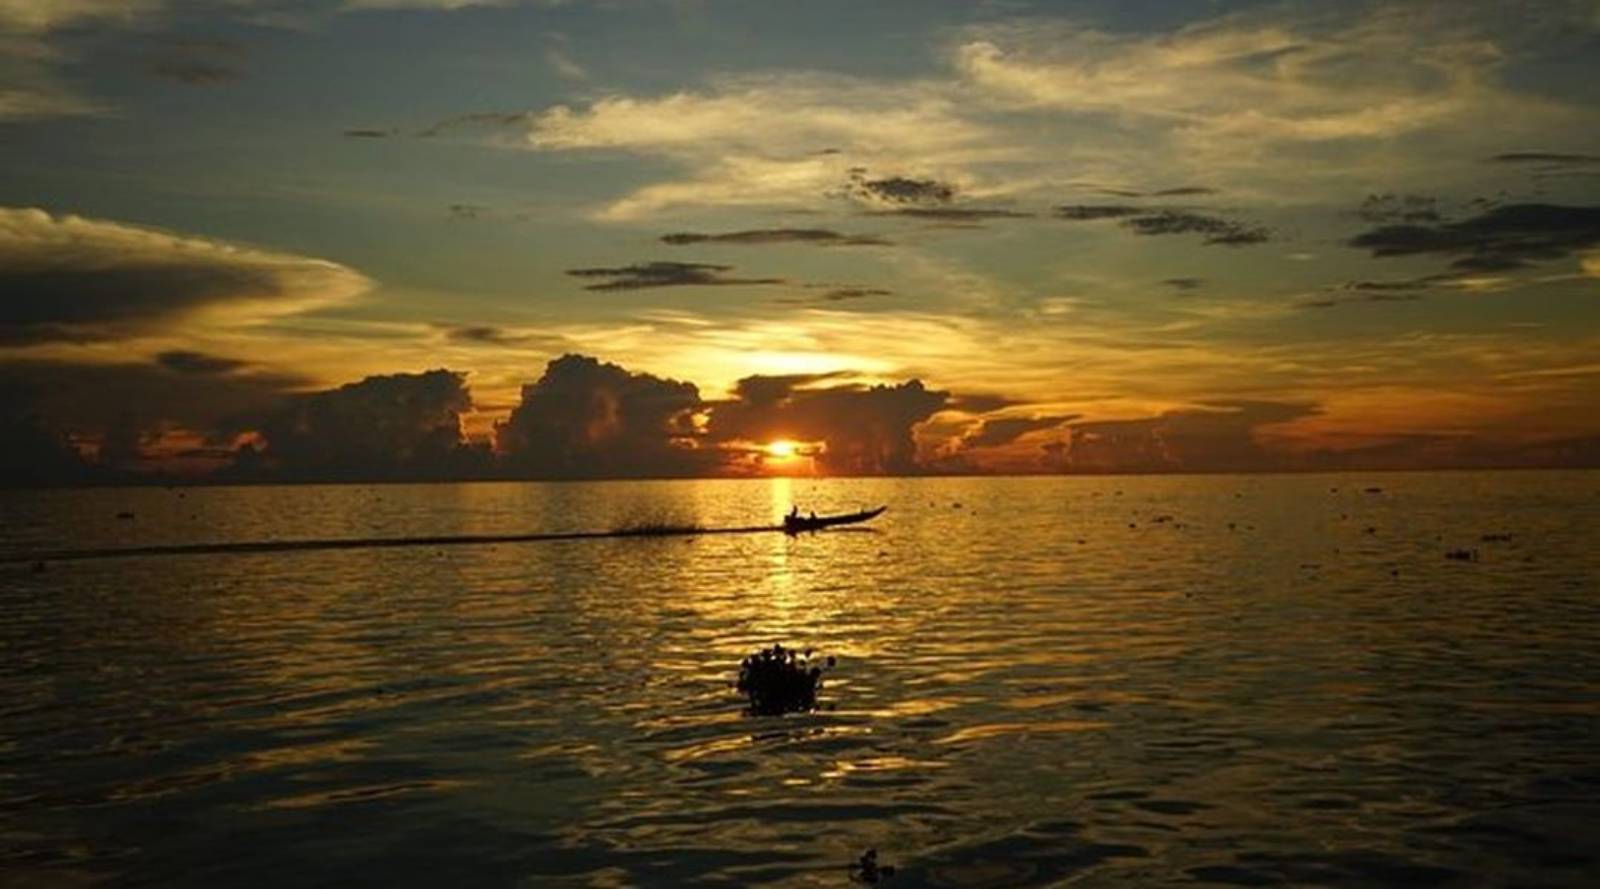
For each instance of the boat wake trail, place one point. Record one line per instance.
(286, 546)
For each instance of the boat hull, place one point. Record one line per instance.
(797, 524)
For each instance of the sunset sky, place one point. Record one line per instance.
(1004, 236)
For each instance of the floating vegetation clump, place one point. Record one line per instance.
(1462, 555)
(868, 870)
(780, 680)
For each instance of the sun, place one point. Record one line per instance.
(782, 449)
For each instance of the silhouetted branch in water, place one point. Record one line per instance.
(780, 680)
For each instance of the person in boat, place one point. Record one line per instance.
(794, 511)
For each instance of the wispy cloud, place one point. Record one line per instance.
(1089, 212)
(1545, 157)
(493, 120)
(955, 214)
(818, 236)
(778, 139)
(191, 362)
(1164, 221)
(1215, 230)
(640, 276)
(836, 295)
(48, 15)
(197, 62)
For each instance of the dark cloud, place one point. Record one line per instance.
(186, 362)
(586, 419)
(1088, 212)
(839, 294)
(1369, 291)
(66, 278)
(85, 304)
(118, 409)
(1501, 239)
(899, 190)
(491, 119)
(1559, 174)
(1389, 207)
(467, 211)
(1183, 191)
(1544, 157)
(1216, 230)
(1166, 221)
(194, 72)
(918, 199)
(767, 389)
(1328, 302)
(836, 295)
(478, 334)
(1399, 285)
(665, 274)
(31, 452)
(488, 335)
(184, 389)
(981, 402)
(862, 430)
(1172, 192)
(1216, 437)
(1005, 430)
(399, 426)
(1185, 284)
(362, 133)
(955, 214)
(819, 236)
(197, 62)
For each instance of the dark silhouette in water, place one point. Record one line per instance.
(868, 870)
(780, 680)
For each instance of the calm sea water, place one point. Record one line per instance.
(1040, 681)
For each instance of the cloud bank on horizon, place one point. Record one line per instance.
(1033, 238)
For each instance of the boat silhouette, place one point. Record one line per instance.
(794, 523)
